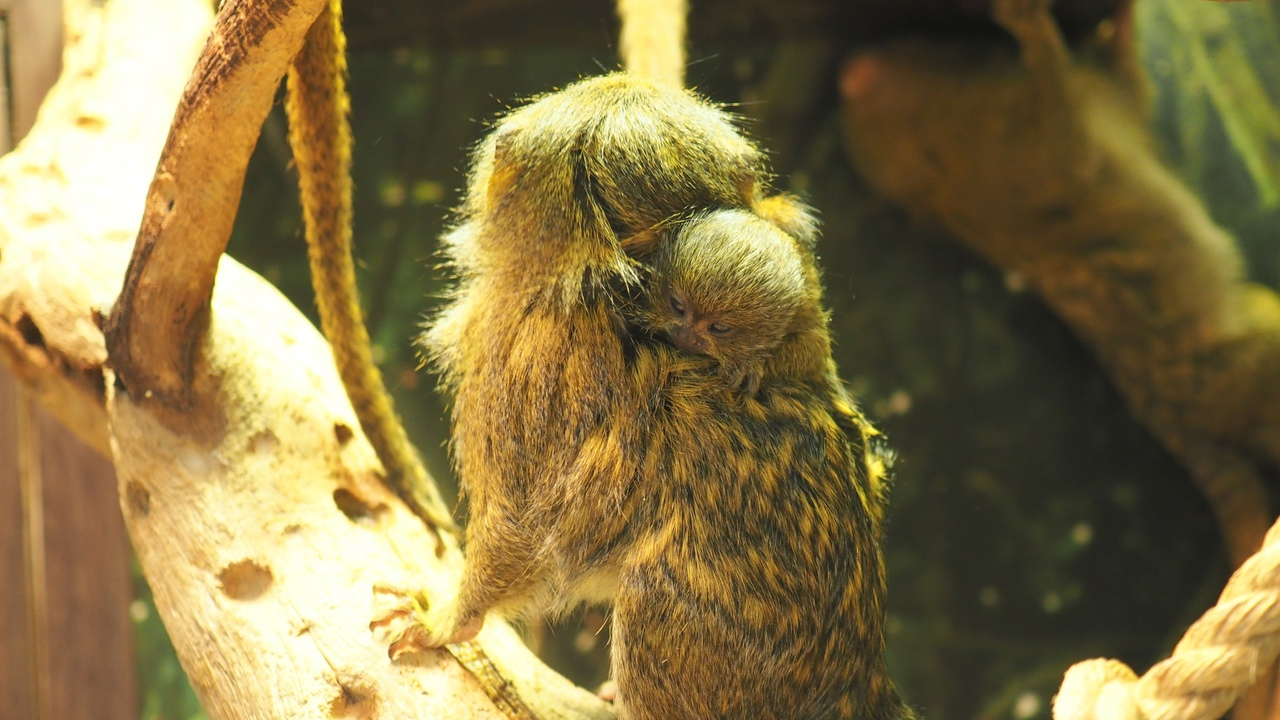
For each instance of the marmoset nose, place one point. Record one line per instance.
(688, 340)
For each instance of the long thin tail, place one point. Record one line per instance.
(320, 135)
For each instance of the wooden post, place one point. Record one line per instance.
(66, 640)
(16, 696)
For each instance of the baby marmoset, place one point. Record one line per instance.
(737, 534)
(731, 285)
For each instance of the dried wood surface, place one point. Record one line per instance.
(254, 504)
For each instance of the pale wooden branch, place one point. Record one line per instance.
(652, 40)
(253, 502)
(157, 326)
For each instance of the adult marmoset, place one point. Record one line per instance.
(737, 534)
(1042, 164)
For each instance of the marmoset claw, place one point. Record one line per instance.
(403, 615)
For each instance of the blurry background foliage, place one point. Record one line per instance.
(1033, 522)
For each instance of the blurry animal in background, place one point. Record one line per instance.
(722, 495)
(1044, 167)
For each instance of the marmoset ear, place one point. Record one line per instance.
(748, 183)
(791, 216)
(505, 168)
(643, 244)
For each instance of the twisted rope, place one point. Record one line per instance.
(1223, 654)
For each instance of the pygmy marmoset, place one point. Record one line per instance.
(737, 533)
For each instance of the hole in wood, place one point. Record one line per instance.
(263, 442)
(352, 702)
(90, 123)
(343, 432)
(31, 334)
(245, 580)
(353, 507)
(138, 498)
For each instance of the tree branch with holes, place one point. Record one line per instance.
(253, 500)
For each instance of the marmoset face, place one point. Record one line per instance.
(727, 285)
